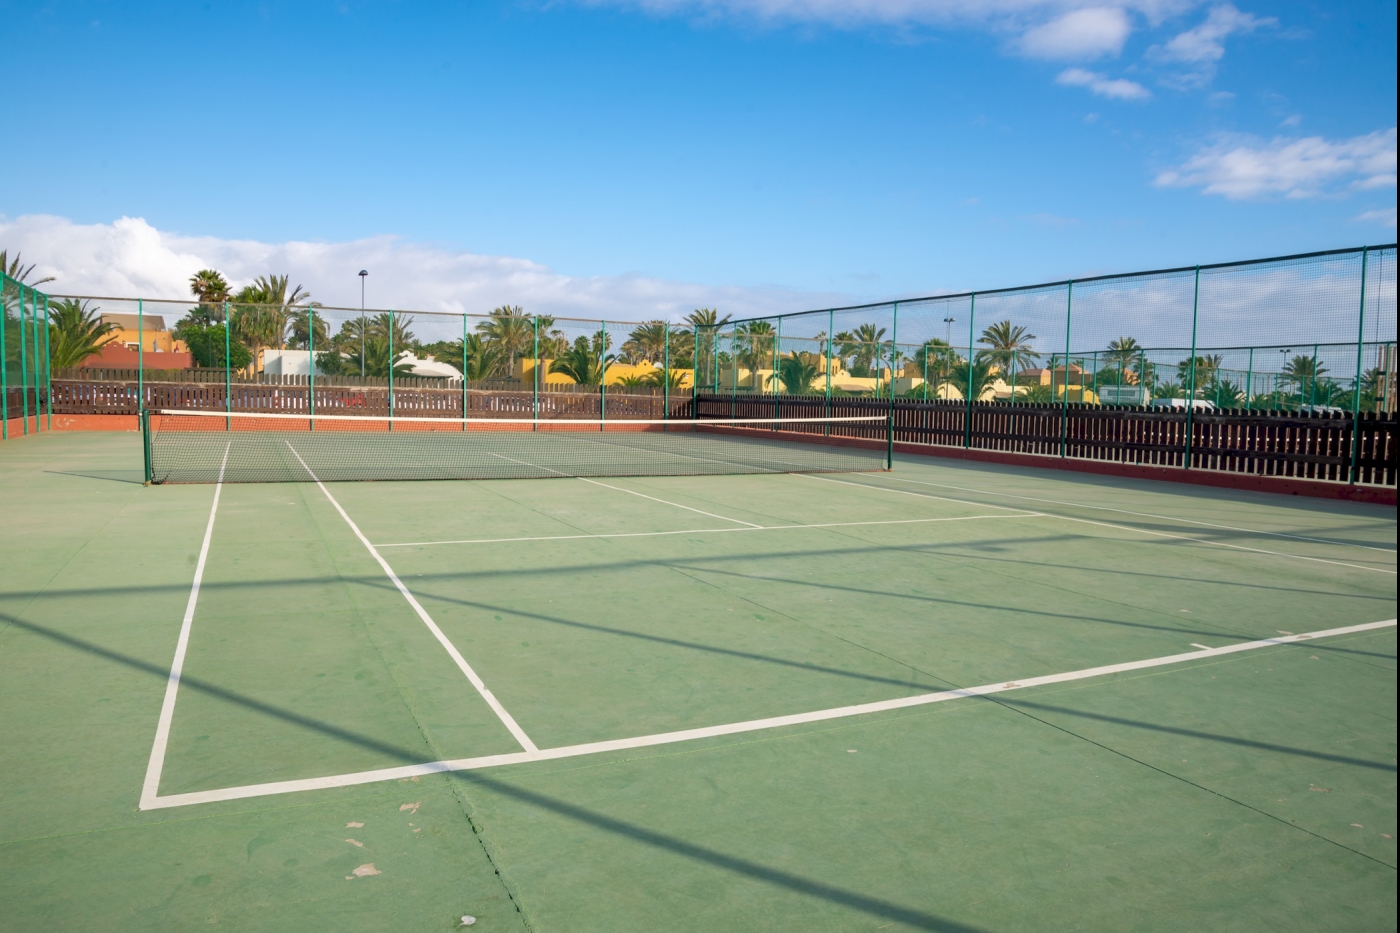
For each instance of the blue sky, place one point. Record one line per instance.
(775, 152)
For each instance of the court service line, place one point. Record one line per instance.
(704, 531)
(620, 489)
(753, 725)
(1129, 528)
(1168, 518)
(150, 788)
(451, 649)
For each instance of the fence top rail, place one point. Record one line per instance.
(1204, 267)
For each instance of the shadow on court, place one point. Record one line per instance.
(776, 877)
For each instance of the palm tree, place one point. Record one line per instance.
(512, 330)
(18, 271)
(862, 347)
(1010, 349)
(298, 336)
(262, 310)
(582, 362)
(209, 286)
(706, 317)
(646, 343)
(797, 371)
(76, 332)
(482, 360)
(675, 378)
(754, 342)
(1207, 365)
(980, 372)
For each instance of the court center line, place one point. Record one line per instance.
(150, 787)
(705, 531)
(1168, 518)
(451, 649)
(754, 725)
(1128, 528)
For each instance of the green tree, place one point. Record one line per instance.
(753, 343)
(209, 286)
(512, 331)
(1207, 366)
(76, 332)
(583, 362)
(706, 317)
(206, 343)
(980, 372)
(797, 371)
(861, 347)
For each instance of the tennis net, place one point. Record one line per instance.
(245, 447)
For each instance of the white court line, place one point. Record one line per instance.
(905, 492)
(753, 725)
(1167, 518)
(150, 788)
(1202, 647)
(1141, 531)
(703, 531)
(452, 651)
(620, 489)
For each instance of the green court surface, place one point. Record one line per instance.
(699, 703)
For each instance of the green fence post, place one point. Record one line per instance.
(23, 368)
(535, 380)
(1356, 396)
(48, 368)
(1064, 409)
(971, 332)
(1312, 385)
(830, 325)
(464, 372)
(666, 379)
(141, 359)
(228, 372)
(1249, 382)
(391, 370)
(734, 369)
(311, 349)
(1191, 390)
(34, 358)
(695, 374)
(4, 365)
(602, 375)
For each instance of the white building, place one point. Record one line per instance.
(298, 363)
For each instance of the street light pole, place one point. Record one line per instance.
(363, 273)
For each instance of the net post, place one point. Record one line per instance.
(464, 373)
(391, 370)
(602, 376)
(666, 379)
(1356, 395)
(1064, 409)
(228, 371)
(311, 349)
(889, 440)
(535, 379)
(141, 361)
(48, 368)
(971, 331)
(4, 366)
(23, 368)
(1191, 392)
(145, 417)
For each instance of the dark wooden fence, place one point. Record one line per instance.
(88, 397)
(1289, 444)
(1274, 443)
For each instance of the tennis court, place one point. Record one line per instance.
(941, 697)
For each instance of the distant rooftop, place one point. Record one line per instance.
(152, 322)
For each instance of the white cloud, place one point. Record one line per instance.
(1203, 47)
(1294, 168)
(1102, 85)
(1080, 34)
(131, 258)
(1385, 217)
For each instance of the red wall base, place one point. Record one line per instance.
(1280, 485)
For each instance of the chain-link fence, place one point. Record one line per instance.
(1309, 336)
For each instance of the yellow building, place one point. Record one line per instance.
(524, 370)
(151, 332)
